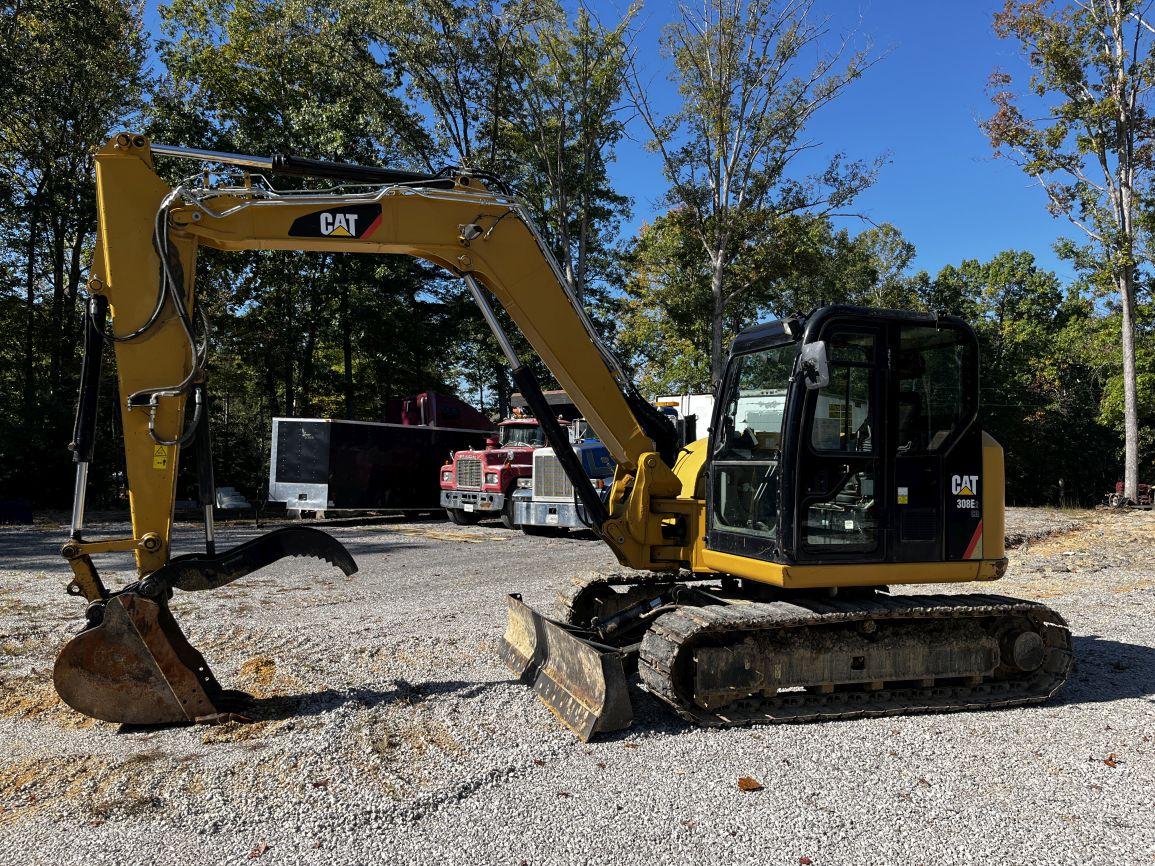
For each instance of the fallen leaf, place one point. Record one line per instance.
(320, 783)
(923, 782)
(601, 765)
(629, 745)
(259, 849)
(563, 793)
(804, 860)
(1111, 760)
(538, 762)
(748, 783)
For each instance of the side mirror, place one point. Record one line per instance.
(814, 366)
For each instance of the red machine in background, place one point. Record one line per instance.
(1145, 493)
(480, 483)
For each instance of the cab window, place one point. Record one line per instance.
(936, 395)
(843, 409)
(747, 443)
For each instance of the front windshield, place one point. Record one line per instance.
(747, 443)
(758, 398)
(522, 434)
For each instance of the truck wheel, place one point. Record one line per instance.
(462, 518)
(507, 514)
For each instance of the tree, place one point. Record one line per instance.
(459, 64)
(1086, 139)
(667, 308)
(747, 96)
(298, 333)
(567, 123)
(1039, 375)
(72, 74)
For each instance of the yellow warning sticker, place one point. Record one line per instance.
(160, 457)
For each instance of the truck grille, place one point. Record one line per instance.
(549, 479)
(469, 473)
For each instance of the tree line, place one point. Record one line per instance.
(541, 93)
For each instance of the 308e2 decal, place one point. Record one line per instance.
(965, 487)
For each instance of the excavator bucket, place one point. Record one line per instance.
(132, 664)
(582, 682)
(136, 667)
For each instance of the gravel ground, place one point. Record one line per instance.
(390, 733)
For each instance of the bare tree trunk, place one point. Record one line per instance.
(717, 320)
(503, 392)
(1125, 282)
(30, 305)
(346, 350)
(56, 326)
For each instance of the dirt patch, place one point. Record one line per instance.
(1109, 551)
(450, 535)
(259, 671)
(1028, 525)
(237, 732)
(35, 698)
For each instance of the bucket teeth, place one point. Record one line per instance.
(582, 683)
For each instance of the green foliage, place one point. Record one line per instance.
(667, 308)
(750, 74)
(71, 73)
(534, 90)
(1085, 136)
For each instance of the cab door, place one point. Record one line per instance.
(841, 510)
(746, 444)
(936, 442)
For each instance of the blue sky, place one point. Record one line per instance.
(921, 104)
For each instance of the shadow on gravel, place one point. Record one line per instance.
(325, 700)
(32, 549)
(1109, 670)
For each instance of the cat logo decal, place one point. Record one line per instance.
(351, 221)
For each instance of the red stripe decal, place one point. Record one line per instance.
(372, 226)
(974, 541)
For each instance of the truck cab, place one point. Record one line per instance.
(479, 483)
(544, 501)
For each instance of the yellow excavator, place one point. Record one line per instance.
(845, 456)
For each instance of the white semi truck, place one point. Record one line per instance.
(544, 502)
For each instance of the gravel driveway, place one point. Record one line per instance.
(391, 733)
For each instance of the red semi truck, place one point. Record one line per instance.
(476, 484)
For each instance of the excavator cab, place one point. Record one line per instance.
(834, 441)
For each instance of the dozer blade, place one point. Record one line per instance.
(582, 683)
(136, 667)
(133, 664)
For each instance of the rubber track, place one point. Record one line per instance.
(570, 601)
(666, 647)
